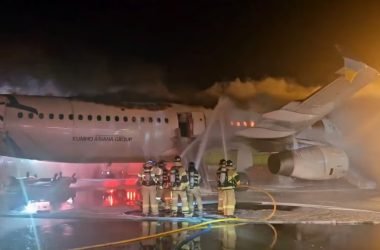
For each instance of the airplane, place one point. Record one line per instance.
(74, 131)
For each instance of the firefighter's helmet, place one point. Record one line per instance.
(177, 158)
(229, 163)
(191, 165)
(149, 164)
(161, 164)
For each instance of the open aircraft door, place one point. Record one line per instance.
(3, 102)
(191, 123)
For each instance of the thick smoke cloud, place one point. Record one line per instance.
(263, 95)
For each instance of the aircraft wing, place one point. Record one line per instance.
(296, 116)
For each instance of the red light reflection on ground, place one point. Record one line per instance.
(120, 197)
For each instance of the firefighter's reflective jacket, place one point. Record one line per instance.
(149, 176)
(194, 179)
(227, 178)
(178, 178)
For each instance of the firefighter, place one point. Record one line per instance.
(228, 185)
(221, 175)
(165, 193)
(179, 183)
(148, 180)
(194, 189)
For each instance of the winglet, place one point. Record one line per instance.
(352, 68)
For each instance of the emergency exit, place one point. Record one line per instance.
(191, 124)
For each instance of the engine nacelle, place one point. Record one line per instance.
(310, 163)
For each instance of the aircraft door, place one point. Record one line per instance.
(3, 102)
(191, 124)
(199, 123)
(185, 123)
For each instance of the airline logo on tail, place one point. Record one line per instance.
(351, 68)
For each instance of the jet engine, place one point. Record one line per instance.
(310, 163)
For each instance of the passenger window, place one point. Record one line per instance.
(158, 119)
(41, 115)
(80, 117)
(51, 116)
(71, 117)
(142, 119)
(166, 120)
(89, 117)
(20, 114)
(99, 117)
(134, 119)
(61, 116)
(116, 118)
(150, 119)
(30, 115)
(125, 118)
(108, 118)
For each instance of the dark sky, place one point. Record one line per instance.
(90, 45)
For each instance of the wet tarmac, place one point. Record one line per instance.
(18, 233)
(306, 218)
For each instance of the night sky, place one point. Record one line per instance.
(105, 46)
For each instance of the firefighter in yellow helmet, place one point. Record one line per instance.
(194, 189)
(229, 179)
(179, 183)
(222, 169)
(149, 180)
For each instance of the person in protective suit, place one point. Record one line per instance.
(229, 179)
(149, 180)
(220, 178)
(194, 189)
(179, 183)
(164, 186)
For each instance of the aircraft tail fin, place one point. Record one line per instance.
(354, 76)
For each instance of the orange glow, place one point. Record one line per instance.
(231, 123)
(238, 124)
(252, 124)
(245, 124)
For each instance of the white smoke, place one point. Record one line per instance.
(32, 86)
(359, 121)
(263, 95)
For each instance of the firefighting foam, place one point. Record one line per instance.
(359, 121)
